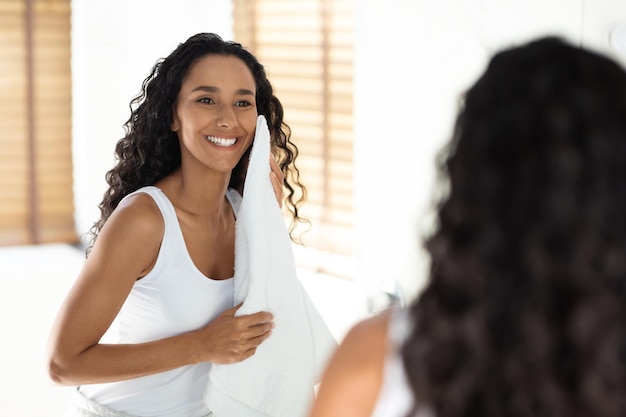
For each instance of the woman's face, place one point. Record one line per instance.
(215, 113)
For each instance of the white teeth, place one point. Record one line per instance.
(221, 141)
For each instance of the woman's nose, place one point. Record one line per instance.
(226, 117)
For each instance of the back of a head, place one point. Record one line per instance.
(525, 311)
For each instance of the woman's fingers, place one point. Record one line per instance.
(232, 339)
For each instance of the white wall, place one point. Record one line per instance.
(413, 60)
(115, 43)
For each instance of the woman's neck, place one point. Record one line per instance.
(197, 195)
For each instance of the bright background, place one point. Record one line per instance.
(413, 59)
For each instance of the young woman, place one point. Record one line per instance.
(153, 305)
(525, 311)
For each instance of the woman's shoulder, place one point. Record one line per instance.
(132, 235)
(354, 375)
(372, 329)
(139, 204)
(139, 215)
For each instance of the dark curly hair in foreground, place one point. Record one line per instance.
(151, 151)
(525, 311)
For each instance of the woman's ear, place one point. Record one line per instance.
(175, 126)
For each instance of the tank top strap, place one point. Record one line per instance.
(165, 205)
(395, 397)
(399, 326)
(167, 208)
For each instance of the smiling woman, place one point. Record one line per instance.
(152, 307)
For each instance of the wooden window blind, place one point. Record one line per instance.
(306, 47)
(36, 204)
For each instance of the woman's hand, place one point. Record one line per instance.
(277, 178)
(230, 339)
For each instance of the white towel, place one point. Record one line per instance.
(279, 379)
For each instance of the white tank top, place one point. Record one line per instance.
(174, 298)
(395, 397)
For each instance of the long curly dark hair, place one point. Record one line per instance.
(525, 310)
(150, 150)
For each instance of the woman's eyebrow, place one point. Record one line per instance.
(206, 88)
(211, 89)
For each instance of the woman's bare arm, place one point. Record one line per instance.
(353, 377)
(124, 252)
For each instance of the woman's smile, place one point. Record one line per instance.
(222, 142)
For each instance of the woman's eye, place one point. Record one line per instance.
(206, 100)
(243, 103)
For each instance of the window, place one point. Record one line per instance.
(35, 120)
(306, 47)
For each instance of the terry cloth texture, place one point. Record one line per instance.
(279, 379)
